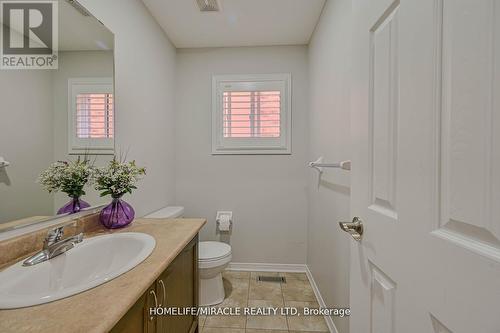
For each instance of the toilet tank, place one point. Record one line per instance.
(170, 212)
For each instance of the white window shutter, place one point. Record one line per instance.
(251, 114)
(91, 116)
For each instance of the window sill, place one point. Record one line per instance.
(226, 151)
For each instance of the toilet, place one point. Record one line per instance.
(213, 258)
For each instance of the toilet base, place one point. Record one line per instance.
(211, 290)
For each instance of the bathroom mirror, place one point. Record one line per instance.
(52, 114)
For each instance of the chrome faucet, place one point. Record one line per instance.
(54, 246)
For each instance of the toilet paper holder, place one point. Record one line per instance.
(224, 220)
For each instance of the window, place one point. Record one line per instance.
(91, 116)
(94, 116)
(251, 114)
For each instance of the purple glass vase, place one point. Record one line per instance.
(117, 214)
(73, 206)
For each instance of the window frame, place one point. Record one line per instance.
(93, 146)
(252, 146)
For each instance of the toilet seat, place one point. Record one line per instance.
(213, 254)
(213, 250)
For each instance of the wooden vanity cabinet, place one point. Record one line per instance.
(176, 287)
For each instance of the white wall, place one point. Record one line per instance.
(25, 141)
(76, 64)
(329, 132)
(267, 194)
(144, 89)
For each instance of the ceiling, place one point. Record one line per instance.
(238, 23)
(81, 33)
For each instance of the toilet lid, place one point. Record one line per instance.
(213, 250)
(170, 212)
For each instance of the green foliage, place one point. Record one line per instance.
(69, 177)
(118, 178)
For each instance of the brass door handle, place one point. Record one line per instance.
(354, 228)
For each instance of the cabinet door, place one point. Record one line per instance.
(163, 322)
(188, 262)
(137, 318)
(178, 288)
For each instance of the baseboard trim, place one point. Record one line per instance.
(260, 267)
(290, 268)
(321, 301)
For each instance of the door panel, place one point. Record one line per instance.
(181, 282)
(384, 112)
(172, 278)
(383, 296)
(374, 182)
(438, 327)
(135, 321)
(426, 166)
(470, 170)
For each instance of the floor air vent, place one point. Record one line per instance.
(277, 279)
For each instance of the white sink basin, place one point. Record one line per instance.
(90, 263)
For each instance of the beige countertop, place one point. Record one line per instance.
(100, 308)
(21, 222)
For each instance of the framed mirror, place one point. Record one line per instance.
(64, 113)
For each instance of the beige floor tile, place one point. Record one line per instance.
(236, 275)
(301, 304)
(233, 302)
(305, 323)
(225, 321)
(221, 330)
(236, 293)
(254, 275)
(265, 291)
(297, 290)
(235, 284)
(295, 276)
(272, 322)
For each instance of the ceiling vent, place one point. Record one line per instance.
(208, 5)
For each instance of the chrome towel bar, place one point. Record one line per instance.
(319, 165)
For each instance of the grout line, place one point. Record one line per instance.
(248, 298)
(283, 297)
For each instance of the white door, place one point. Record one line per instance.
(426, 166)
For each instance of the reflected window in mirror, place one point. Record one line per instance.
(94, 116)
(58, 114)
(91, 116)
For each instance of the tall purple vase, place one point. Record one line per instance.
(73, 206)
(117, 214)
